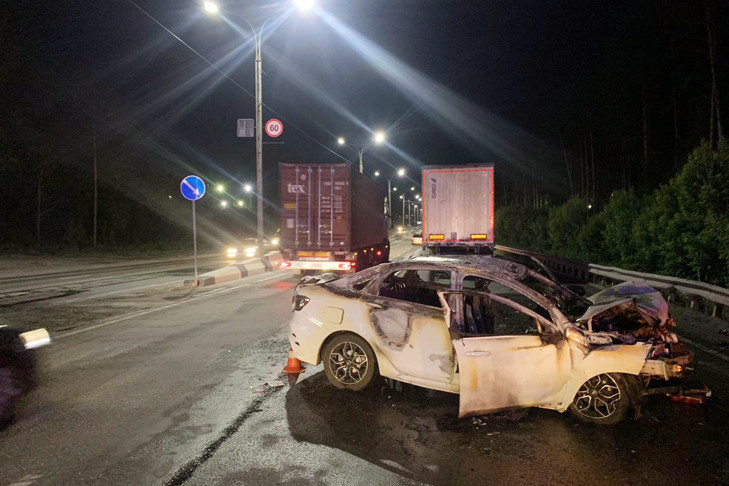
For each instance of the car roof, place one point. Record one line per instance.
(484, 264)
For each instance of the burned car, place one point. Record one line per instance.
(496, 332)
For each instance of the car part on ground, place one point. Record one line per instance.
(499, 334)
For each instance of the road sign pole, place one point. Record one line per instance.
(194, 244)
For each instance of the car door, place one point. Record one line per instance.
(409, 325)
(516, 358)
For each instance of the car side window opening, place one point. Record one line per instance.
(493, 309)
(416, 285)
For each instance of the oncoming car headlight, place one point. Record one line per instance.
(232, 252)
(274, 242)
(251, 251)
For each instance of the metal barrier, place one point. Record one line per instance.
(699, 295)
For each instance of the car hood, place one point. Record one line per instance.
(629, 312)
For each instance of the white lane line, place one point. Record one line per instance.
(211, 293)
(74, 276)
(271, 277)
(705, 348)
(117, 292)
(148, 311)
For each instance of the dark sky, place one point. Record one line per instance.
(450, 82)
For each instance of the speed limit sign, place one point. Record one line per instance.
(274, 128)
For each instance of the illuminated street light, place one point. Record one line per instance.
(220, 188)
(305, 4)
(412, 188)
(377, 173)
(401, 172)
(240, 203)
(247, 187)
(211, 7)
(223, 204)
(378, 138)
(394, 189)
(401, 196)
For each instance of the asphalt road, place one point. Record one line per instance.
(171, 386)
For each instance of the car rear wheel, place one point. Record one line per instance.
(603, 400)
(349, 362)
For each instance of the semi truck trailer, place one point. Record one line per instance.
(332, 219)
(458, 208)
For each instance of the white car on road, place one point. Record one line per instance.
(494, 331)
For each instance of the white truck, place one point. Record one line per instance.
(458, 208)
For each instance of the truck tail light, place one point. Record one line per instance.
(379, 252)
(479, 236)
(346, 265)
(436, 236)
(284, 264)
(300, 301)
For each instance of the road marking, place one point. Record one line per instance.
(73, 276)
(125, 317)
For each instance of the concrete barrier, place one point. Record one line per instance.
(248, 268)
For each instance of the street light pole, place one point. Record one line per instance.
(259, 141)
(403, 210)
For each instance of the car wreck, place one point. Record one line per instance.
(497, 333)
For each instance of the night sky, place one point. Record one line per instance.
(450, 82)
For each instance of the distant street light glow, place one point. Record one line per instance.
(377, 173)
(223, 204)
(220, 188)
(412, 188)
(247, 187)
(379, 137)
(401, 172)
(305, 4)
(394, 188)
(240, 204)
(211, 7)
(341, 141)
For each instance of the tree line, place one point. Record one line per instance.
(680, 229)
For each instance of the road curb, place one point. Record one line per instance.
(244, 269)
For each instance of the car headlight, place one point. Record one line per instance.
(251, 251)
(232, 252)
(274, 242)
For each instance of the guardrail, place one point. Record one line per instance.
(698, 295)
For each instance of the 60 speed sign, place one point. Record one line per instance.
(274, 128)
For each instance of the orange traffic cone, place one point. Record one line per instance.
(293, 368)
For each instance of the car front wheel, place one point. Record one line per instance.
(349, 362)
(603, 400)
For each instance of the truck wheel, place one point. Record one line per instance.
(349, 362)
(602, 400)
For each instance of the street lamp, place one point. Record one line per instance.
(212, 8)
(400, 173)
(223, 204)
(378, 138)
(220, 188)
(240, 203)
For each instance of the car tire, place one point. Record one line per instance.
(604, 399)
(11, 390)
(349, 362)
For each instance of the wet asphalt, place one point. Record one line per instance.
(188, 393)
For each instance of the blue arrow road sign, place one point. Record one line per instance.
(192, 188)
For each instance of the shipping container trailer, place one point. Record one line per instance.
(332, 218)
